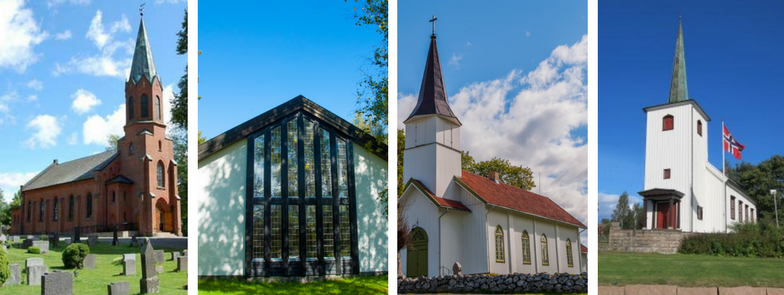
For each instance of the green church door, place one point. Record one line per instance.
(417, 254)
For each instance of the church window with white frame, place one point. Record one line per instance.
(526, 246)
(499, 244)
(545, 253)
(569, 258)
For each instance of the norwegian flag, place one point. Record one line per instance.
(731, 145)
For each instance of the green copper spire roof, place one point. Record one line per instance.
(143, 63)
(678, 89)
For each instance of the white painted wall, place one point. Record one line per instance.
(429, 156)
(474, 229)
(421, 212)
(370, 178)
(220, 198)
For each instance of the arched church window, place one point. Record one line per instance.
(130, 107)
(668, 123)
(545, 253)
(145, 106)
(569, 258)
(56, 209)
(699, 127)
(159, 175)
(157, 107)
(71, 207)
(499, 244)
(41, 211)
(29, 211)
(131, 149)
(89, 205)
(300, 176)
(160, 146)
(526, 242)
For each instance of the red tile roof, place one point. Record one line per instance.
(441, 202)
(583, 249)
(518, 199)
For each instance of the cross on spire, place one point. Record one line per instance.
(141, 10)
(433, 20)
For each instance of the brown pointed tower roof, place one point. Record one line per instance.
(432, 94)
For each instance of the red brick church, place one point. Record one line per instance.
(133, 188)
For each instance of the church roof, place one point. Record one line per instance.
(515, 198)
(143, 63)
(583, 248)
(678, 88)
(438, 201)
(79, 169)
(432, 93)
(299, 103)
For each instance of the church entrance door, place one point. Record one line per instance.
(417, 254)
(662, 215)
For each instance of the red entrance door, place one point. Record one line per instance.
(662, 214)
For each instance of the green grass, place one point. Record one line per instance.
(94, 281)
(353, 286)
(689, 270)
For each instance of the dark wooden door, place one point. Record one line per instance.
(662, 215)
(417, 254)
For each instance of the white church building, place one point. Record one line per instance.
(683, 191)
(456, 216)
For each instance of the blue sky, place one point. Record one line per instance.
(515, 74)
(63, 66)
(734, 69)
(259, 54)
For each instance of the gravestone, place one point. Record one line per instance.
(57, 283)
(15, 278)
(159, 260)
(33, 261)
(119, 288)
(149, 282)
(34, 274)
(129, 264)
(77, 236)
(89, 261)
(182, 263)
(134, 242)
(55, 240)
(184, 252)
(457, 269)
(27, 243)
(174, 255)
(91, 240)
(115, 239)
(43, 245)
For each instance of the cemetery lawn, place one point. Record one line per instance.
(688, 270)
(354, 286)
(108, 269)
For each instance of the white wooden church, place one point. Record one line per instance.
(683, 190)
(456, 216)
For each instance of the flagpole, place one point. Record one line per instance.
(724, 171)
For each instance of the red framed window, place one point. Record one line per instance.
(668, 123)
(667, 173)
(732, 207)
(699, 127)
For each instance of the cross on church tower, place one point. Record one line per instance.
(141, 10)
(433, 20)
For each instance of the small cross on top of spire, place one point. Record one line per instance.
(433, 20)
(141, 10)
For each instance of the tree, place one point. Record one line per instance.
(372, 96)
(758, 180)
(639, 214)
(401, 146)
(622, 210)
(517, 176)
(5, 210)
(201, 139)
(180, 139)
(112, 142)
(179, 108)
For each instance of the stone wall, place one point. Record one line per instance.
(646, 241)
(510, 283)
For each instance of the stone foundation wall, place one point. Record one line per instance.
(646, 241)
(510, 283)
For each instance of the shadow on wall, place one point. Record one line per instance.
(371, 178)
(221, 212)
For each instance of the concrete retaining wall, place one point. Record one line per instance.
(646, 241)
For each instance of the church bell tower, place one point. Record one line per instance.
(432, 153)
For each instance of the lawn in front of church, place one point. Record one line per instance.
(354, 286)
(107, 270)
(688, 270)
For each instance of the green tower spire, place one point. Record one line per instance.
(678, 89)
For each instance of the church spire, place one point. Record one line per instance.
(432, 94)
(678, 88)
(143, 63)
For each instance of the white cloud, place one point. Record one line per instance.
(168, 95)
(35, 85)
(455, 60)
(19, 34)
(64, 35)
(53, 3)
(607, 203)
(11, 96)
(45, 129)
(105, 63)
(84, 101)
(528, 118)
(73, 139)
(10, 182)
(96, 129)
(469, 44)
(32, 97)
(527, 33)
